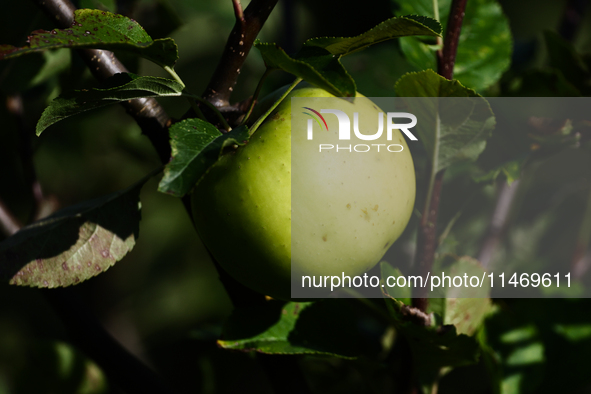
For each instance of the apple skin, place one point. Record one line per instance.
(343, 222)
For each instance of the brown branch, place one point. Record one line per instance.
(427, 233)
(239, 44)
(445, 68)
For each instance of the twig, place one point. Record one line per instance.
(8, 223)
(14, 104)
(245, 31)
(238, 11)
(427, 233)
(498, 223)
(255, 96)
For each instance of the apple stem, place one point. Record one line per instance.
(260, 120)
(427, 233)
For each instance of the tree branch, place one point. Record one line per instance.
(245, 31)
(427, 233)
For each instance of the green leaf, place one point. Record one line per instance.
(336, 327)
(485, 48)
(315, 65)
(100, 30)
(451, 130)
(409, 25)
(118, 88)
(196, 146)
(75, 243)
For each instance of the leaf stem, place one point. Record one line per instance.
(436, 16)
(260, 120)
(174, 75)
(190, 97)
(256, 94)
(436, 9)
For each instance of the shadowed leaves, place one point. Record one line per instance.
(74, 244)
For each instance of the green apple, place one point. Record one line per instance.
(280, 204)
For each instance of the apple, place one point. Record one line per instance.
(278, 204)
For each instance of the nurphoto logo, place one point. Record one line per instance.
(344, 131)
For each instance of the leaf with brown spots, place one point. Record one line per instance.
(100, 30)
(75, 243)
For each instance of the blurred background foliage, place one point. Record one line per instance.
(164, 301)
